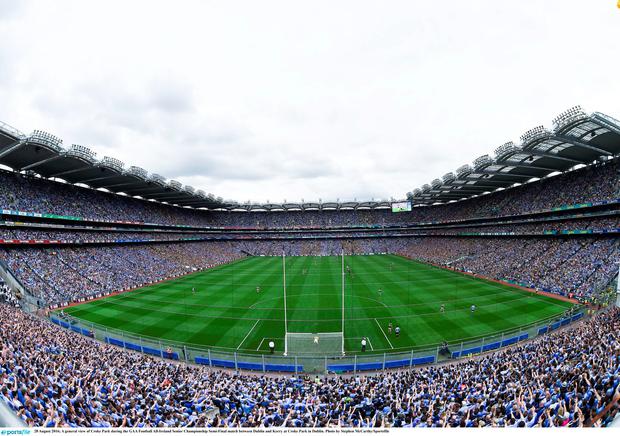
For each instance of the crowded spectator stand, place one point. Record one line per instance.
(552, 227)
(53, 377)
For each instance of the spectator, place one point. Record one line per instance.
(54, 378)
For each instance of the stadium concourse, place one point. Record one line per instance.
(543, 214)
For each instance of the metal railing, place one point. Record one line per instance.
(357, 361)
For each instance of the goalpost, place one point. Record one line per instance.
(318, 343)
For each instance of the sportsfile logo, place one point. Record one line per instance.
(16, 431)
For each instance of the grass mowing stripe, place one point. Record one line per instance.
(384, 310)
(227, 333)
(405, 318)
(227, 313)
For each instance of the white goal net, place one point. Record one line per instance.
(314, 344)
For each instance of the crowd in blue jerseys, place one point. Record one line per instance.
(51, 377)
(65, 274)
(596, 224)
(30, 194)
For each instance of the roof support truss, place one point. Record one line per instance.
(41, 162)
(578, 143)
(11, 148)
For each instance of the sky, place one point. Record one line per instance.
(303, 100)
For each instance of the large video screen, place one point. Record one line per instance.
(401, 206)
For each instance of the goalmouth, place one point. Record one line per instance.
(315, 344)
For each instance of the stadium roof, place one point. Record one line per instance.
(576, 138)
(45, 155)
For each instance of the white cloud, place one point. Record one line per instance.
(279, 99)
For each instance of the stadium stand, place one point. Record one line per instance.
(22, 194)
(606, 221)
(58, 275)
(543, 214)
(53, 377)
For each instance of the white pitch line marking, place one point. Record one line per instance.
(246, 336)
(261, 343)
(367, 339)
(386, 338)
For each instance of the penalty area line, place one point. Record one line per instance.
(382, 331)
(246, 336)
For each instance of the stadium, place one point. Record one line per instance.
(425, 276)
(330, 289)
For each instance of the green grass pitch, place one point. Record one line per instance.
(227, 312)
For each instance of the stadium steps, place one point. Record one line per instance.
(599, 284)
(14, 283)
(41, 278)
(68, 265)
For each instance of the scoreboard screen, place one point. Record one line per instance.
(401, 206)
